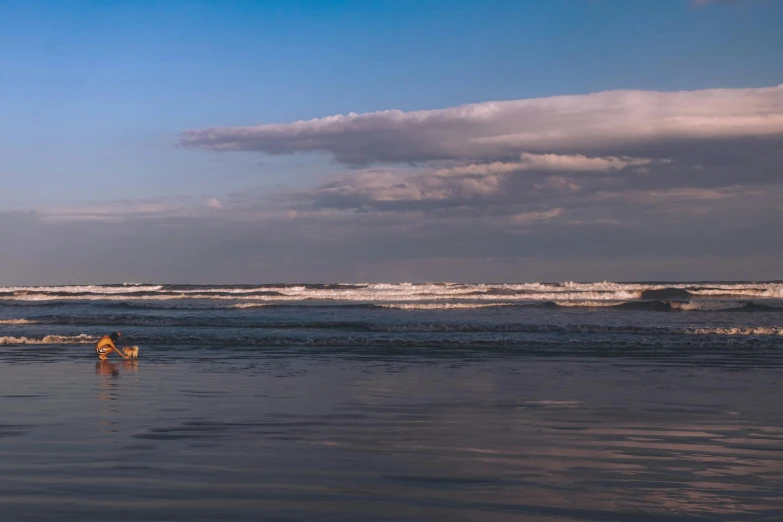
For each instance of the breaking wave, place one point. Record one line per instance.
(656, 304)
(443, 306)
(317, 295)
(650, 305)
(712, 305)
(589, 315)
(393, 293)
(49, 339)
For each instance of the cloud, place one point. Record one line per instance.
(620, 151)
(214, 203)
(390, 189)
(477, 185)
(547, 162)
(584, 124)
(625, 238)
(119, 211)
(527, 218)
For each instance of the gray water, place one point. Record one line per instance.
(336, 407)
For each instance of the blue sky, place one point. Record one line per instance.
(96, 95)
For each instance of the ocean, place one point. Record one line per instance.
(538, 401)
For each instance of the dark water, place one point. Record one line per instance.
(327, 405)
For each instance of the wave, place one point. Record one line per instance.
(121, 320)
(49, 339)
(679, 306)
(773, 288)
(296, 327)
(589, 304)
(70, 289)
(370, 342)
(236, 306)
(274, 296)
(444, 306)
(714, 305)
(775, 292)
(385, 292)
(666, 293)
(650, 305)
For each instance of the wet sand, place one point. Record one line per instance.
(280, 435)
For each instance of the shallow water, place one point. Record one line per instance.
(345, 437)
(356, 413)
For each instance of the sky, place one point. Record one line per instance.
(393, 140)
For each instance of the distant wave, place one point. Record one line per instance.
(443, 306)
(95, 289)
(650, 305)
(403, 292)
(666, 293)
(661, 305)
(655, 305)
(234, 306)
(317, 295)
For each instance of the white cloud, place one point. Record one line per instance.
(214, 203)
(563, 124)
(380, 187)
(533, 217)
(657, 197)
(119, 211)
(547, 162)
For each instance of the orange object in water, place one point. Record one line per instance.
(105, 346)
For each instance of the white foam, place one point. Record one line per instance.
(96, 289)
(335, 295)
(707, 305)
(17, 321)
(723, 287)
(393, 293)
(754, 292)
(753, 330)
(442, 306)
(49, 339)
(588, 304)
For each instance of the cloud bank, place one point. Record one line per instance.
(634, 175)
(594, 123)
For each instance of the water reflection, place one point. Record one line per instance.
(109, 393)
(108, 368)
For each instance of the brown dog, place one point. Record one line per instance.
(131, 352)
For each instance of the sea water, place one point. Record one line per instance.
(567, 401)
